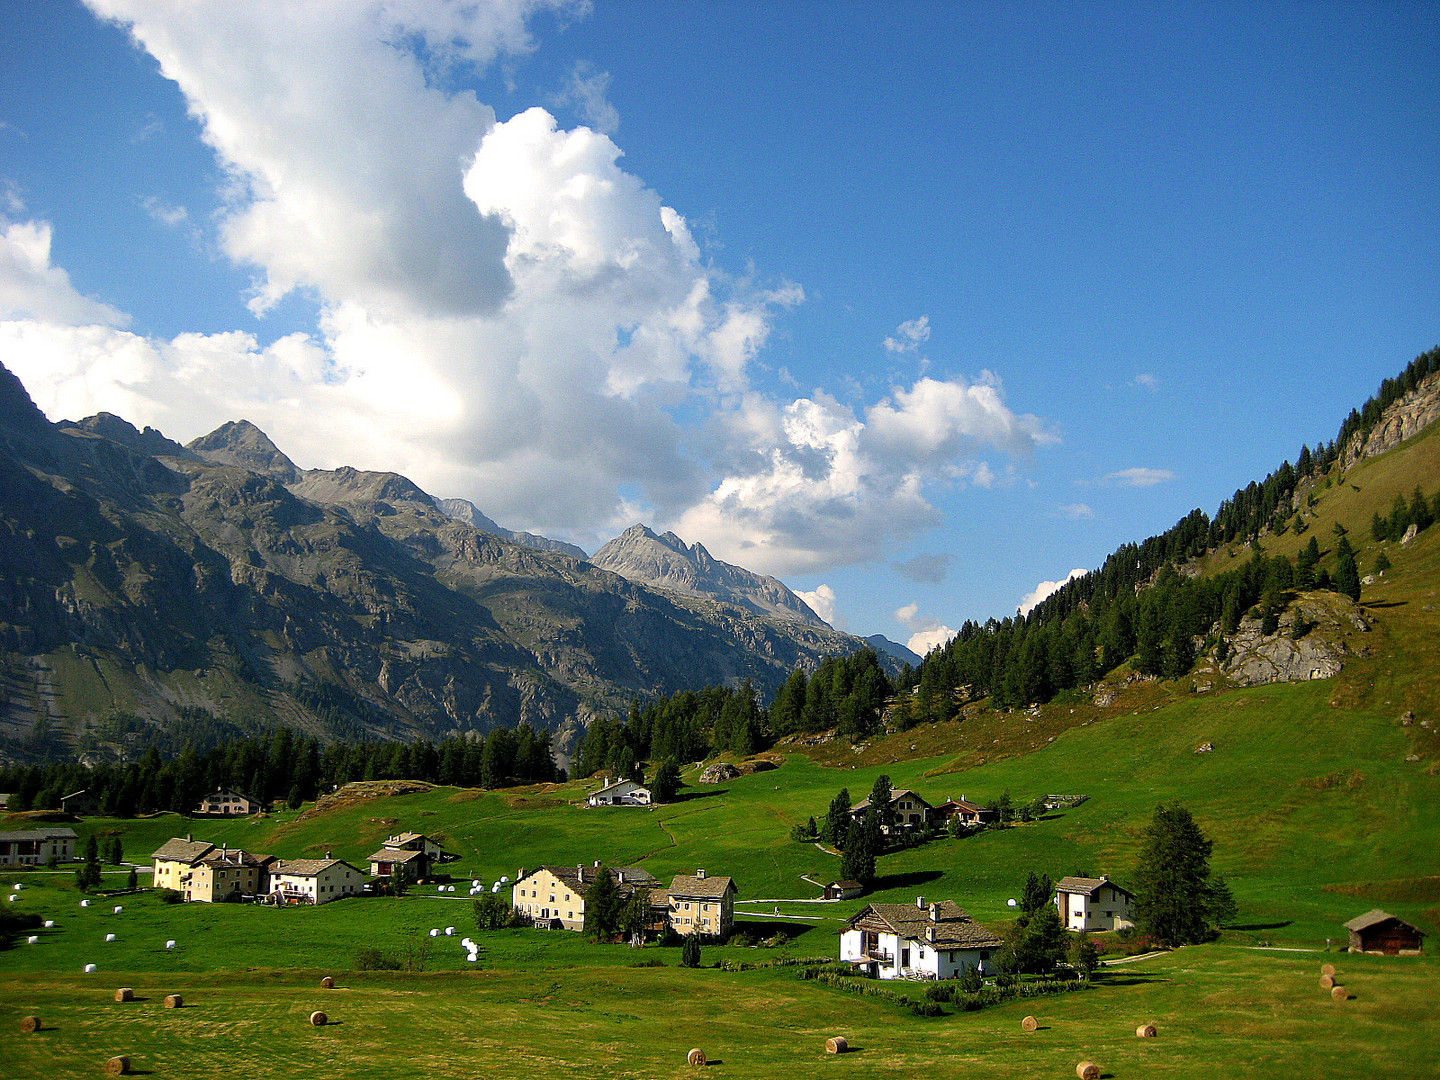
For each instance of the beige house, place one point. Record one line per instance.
(228, 803)
(206, 873)
(1093, 904)
(36, 847)
(911, 810)
(224, 874)
(554, 896)
(313, 881)
(701, 904)
(175, 858)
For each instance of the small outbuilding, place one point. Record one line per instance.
(1380, 932)
(843, 890)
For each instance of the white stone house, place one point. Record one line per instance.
(1093, 904)
(313, 881)
(36, 847)
(926, 941)
(911, 810)
(229, 803)
(621, 793)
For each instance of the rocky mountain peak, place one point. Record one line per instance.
(666, 561)
(242, 444)
(16, 408)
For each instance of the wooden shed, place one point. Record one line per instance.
(1380, 932)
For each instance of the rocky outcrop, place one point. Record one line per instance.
(1316, 651)
(1405, 418)
(718, 773)
(667, 562)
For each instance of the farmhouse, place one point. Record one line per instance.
(701, 904)
(80, 802)
(971, 815)
(228, 803)
(910, 809)
(406, 863)
(222, 875)
(414, 841)
(1380, 932)
(843, 890)
(36, 847)
(1093, 904)
(313, 881)
(554, 896)
(927, 941)
(175, 858)
(621, 793)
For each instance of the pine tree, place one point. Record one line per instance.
(837, 819)
(602, 906)
(667, 781)
(690, 951)
(1039, 890)
(1221, 906)
(1347, 574)
(1172, 882)
(864, 843)
(1084, 956)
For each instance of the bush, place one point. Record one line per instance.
(927, 1008)
(653, 962)
(373, 959)
(168, 896)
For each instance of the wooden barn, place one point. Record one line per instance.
(1380, 932)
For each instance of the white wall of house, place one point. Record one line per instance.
(332, 883)
(908, 958)
(1107, 909)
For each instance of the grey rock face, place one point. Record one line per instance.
(466, 511)
(667, 562)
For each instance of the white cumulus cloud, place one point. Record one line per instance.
(1139, 477)
(504, 313)
(926, 633)
(822, 601)
(909, 335)
(1046, 588)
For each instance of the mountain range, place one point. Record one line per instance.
(145, 582)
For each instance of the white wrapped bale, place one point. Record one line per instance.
(109, 937)
(170, 944)
(449, 931)
(90, 969)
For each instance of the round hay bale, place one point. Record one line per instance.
(1327, 969)
(696, 1057)
(1339, 993)
(124, 994)
(119, 1065)
(836, 1045)
(30, 1024)
(1146, 1031)
(174, 1001)
(1087, 1070)
(327, 983)
(319, 1019)
(1030, 1023)
(1327, 982)
(91, 969)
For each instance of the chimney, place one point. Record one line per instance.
(934, 912)
(597, 863)
(700, 874)
(920, 902)
(327, 854)
(930, 934)
(190, 837)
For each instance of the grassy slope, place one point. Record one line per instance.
(1315, 812)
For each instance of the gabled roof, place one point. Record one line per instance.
(895, 796)
(308, 867)
(580, 878)
(228, 791)
(1375, 918)
(1086, 886)
(407, 838)
(634, 786)
(847, 884)
(954, 929)
(183, 851)
(963, 804)
(395, 855)
(40, 834)
(228, 857)
(706, 888)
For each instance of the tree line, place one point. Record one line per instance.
(283, 767)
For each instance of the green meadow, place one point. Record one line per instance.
(1320, 802)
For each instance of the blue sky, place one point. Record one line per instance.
(916, 305)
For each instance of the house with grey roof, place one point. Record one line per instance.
(910, 809)
(553, 897)
(313, 881)
(923, 941)
(702, 903)
(36, 847)
(1093, 904)
(621, 793)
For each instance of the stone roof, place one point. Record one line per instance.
(40, 834)
(895, 796)
(1374, 918)
(579, 878)
(307, 867)
(394, 855)
(952, 925)
(184, 851)
(1086, 886)
(228, 857)
(706, 888)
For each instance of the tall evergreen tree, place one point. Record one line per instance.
(1172, 881)
(1347, 574)
(603, 905)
